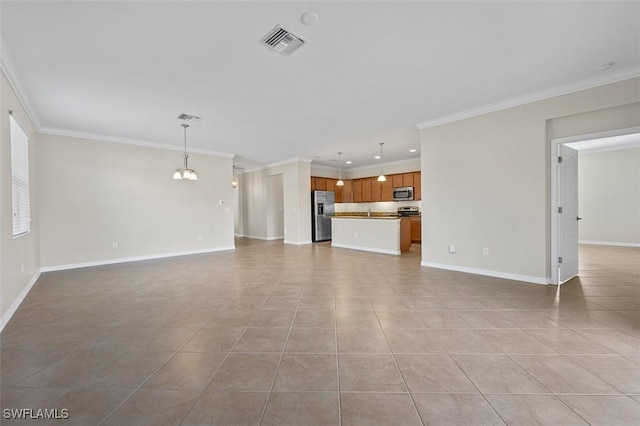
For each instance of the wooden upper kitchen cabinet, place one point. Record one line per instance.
(417, 186)
(366, 189)
(347, 192)
(376, 190)
(396, 181)
(339, 194)
(407, 179)
(357, 190)
(386, 189)
(321, 184)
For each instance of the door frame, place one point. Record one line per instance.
(555, 152)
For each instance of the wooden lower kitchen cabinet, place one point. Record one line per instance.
(416, 229)
(405, 234)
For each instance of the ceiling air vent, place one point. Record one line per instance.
(282, 41)
(188, 117)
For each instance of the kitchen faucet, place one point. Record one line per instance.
(369, 212)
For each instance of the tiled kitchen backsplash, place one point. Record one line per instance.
(380, 206)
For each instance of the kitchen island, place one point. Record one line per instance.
(379, 234)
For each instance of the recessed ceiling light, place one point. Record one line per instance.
(605, 67)
(348, 162)
(413, 150)
(377, 157)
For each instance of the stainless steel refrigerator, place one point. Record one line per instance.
(322, 209)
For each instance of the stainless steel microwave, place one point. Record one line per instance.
(403, 194)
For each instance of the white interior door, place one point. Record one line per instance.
(568, 213)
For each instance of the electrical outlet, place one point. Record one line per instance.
(485, 251)
(199, 237)
(114, 244)
(23, 267)
(452, 249)
(355, 235)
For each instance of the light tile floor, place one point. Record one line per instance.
(276, 334)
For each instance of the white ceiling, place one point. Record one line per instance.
(370, 72)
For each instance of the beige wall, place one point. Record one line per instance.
(275, 207)
(24, 250)
(486, 180)
(296, 177)
(96, 193)
(609, 196)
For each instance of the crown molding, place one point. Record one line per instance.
(390, 163)
(590, 83)
(258, 168)
(9, 70)
(370, 166)
(287, 161)
(325, 167)
(127, 141)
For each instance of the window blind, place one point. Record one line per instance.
(20, 179)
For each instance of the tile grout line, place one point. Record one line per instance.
(554, 395)
(335, 322)
(465, 373)
(143, 383)
(218, 368)
(165, 363)
(393, 355)
(284, 348)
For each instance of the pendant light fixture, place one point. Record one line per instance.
(185, 172)
(234, 181)
(382, 177)
(340, 181)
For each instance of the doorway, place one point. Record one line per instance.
(565, 216)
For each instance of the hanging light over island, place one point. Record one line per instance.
(340, 181)
(382, 177)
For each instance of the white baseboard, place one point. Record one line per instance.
(131, 259)
(255, 237)
(297, 243)
(609, 243)
(488, 273)
(361, 248)
(16, 303)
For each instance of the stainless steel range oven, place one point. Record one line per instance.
(408, 211)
